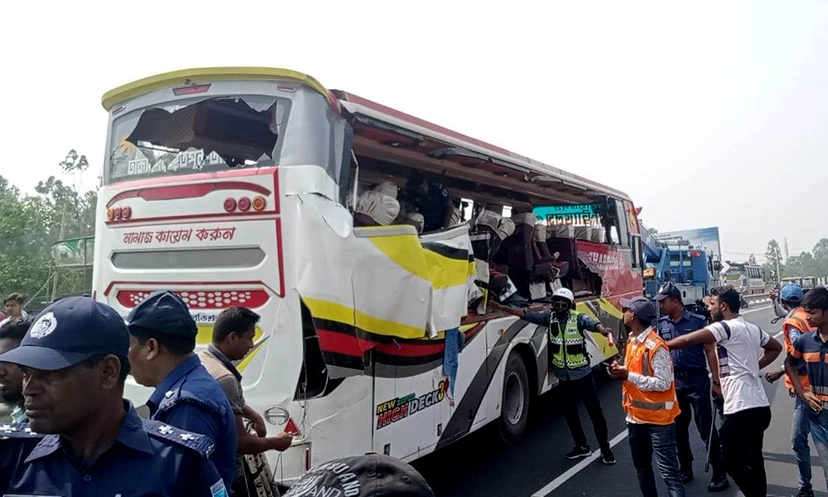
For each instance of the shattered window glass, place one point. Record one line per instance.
(193, 136)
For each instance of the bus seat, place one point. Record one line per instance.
(498, 229)
(379, 208)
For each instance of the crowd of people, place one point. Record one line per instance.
(71, 432)
(680, 367)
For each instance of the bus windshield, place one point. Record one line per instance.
(197, 135)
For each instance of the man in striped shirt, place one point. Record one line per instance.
(811, 349)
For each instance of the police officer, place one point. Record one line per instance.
(161, 352)
(570, 361)
(83, 438)
(692, 384)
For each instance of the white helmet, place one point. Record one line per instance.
(564, 293)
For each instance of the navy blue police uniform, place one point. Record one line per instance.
(145, 458)
(189, 397)
(691, 378)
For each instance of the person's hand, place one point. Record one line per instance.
(495, 305)
(773, 376)
(282, 441)
(774, 294)
(617, 371)
(717, 391)
(259, 425)
(812, 400)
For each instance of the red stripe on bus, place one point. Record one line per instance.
(280, 255)
(411, 350)
(165, 180)
(341, 343)
(194, 190)
(168, 284)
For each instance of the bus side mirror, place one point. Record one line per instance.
(717, 266)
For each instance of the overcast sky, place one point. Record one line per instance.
(707, 114)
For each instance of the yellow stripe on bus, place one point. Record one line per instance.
(206, 75)
(444, 272)
(409, 254)
(406, 251)
(340, 313)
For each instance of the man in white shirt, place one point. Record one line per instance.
(14, 308)
(746, 408)
(649, 398)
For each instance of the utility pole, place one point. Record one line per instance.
(60, 237)
(786, 249)
(778, 274)
(73, 163)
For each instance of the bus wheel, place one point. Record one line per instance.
(514, 410)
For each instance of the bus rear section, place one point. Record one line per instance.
(192, 202)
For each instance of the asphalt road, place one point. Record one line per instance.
(536, 467)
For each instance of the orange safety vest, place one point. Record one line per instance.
(658, 408)
(798, 320)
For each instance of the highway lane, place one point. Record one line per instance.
(477, 467)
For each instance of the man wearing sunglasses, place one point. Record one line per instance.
(571, 364)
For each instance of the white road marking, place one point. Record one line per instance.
(574, 470)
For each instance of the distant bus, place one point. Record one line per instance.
(805, 282)
(749, 279)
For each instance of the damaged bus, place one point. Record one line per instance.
(241, 187)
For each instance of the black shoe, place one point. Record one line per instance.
(578, 452)
(686, 474)
(720, 483)
(607, 457)
(805, 493)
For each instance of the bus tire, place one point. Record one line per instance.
(514, 411)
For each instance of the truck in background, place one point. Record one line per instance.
(690, 259)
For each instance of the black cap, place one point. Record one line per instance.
(69, 332)
(668, 290)
(371, 475)
(641, 307)
(163, 312)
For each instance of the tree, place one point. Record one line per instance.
(31, 224)
(752, 259)
(820, 258)
(773, 260)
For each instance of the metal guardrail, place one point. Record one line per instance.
(756, 298)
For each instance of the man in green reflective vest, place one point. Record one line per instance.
(570, 362)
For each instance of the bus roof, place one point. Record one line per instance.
(449, 145)
(457, 145)
(184, 76)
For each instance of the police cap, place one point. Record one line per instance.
(69, 332)
(163, 312)
(668, 290)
